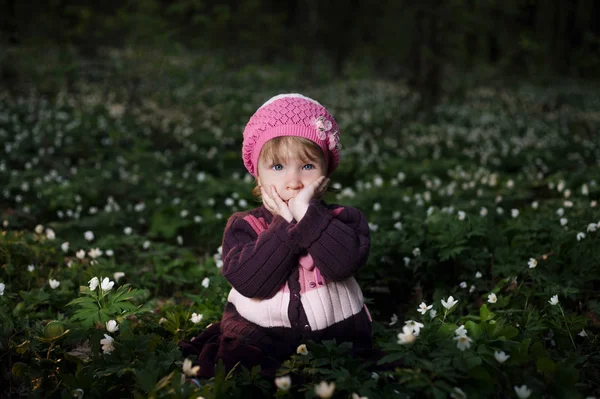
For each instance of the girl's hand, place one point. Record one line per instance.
(299, 204)
(275, 204)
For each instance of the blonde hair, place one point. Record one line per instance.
(303, 149)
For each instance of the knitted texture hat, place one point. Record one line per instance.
(291, 115)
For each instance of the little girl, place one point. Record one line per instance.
(291, 261)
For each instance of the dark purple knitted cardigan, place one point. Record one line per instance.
(291, 282)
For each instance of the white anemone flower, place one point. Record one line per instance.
(325, 390)
(94, 253)
(523, 392)
(514, 213)
(118, 276)
(53, 283)
(406, 336)
(357, 396)
(592, 227)
(492, 298)
(423, 308)
(94, 282)
(458, 393)
(50, 234)
(500, 356)
(112, 326)
(478, 275)
(64, 246)
(205, 282)
(415, 325)
(580, 236)
(127, 230)
(393, 319)
(188, 370)
(2, 287)
(532, 263)
(564, 221)
(107, 344)
(196, 318)
(302, 350)
(554, 300)
(107, 284)
(88, 235)
(451, 302)
(461, 330)
(463, 342)
(284, 383)
(80, 254)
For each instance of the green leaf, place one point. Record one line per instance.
(485, 313)
(474, 329)
(545, 365)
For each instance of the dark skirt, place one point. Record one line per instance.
(207, 348)
(211, 345)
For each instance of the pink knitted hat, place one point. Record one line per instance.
(291, 115)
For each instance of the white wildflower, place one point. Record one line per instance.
(580, 236)
(146, 244)
(523, 392)
(118, 276)
(2, 287)
(325, 390)
(284, 383)
(205, 282)
(64, 246)
(188, 370)
(107, 344)
(53, 283)
(30, 268)
(463, 285)
(532, 263)
(492, 298)
(582, 333)
(501, 357)
(127, 230)
(478, 275)
(564, 221)
(50, 234)
(196, 318)
(423, 308)
(463, 342)
(39, 229)
(416, 252)
(302, 350)
(592, 227)
(107, 284)
(93, 283)
(451, 302)
(458, 393)
(415, 325)
(94, 253)
(554, 300)
(112, 326)
(406, 336)
(88, 235)
(432, 313)
(461, 215)
(80, 254)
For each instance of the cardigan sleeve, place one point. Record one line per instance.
(257, 265)
(339, 244)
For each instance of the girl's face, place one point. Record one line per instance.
(289, 174)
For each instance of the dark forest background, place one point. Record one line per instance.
(429, 44)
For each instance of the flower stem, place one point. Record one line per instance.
(567, 325)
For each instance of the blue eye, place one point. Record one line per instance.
(310, 166)
(277, 167)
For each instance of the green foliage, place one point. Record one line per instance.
(457, 207)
